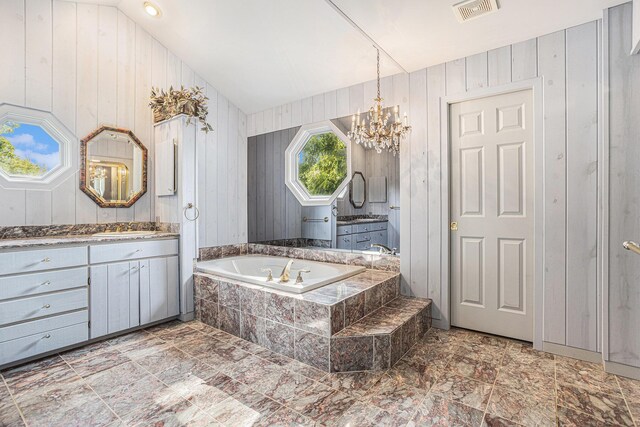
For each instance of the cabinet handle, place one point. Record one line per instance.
(142, 266)
(46, 337)
(46, 306)
(48, 282)
(134, 268)
(47, 259)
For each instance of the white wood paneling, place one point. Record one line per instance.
(92, 65)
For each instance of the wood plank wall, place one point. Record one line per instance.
(568, 61)
(92, 65)
(621, 288)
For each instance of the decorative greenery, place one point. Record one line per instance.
(323, 164)
(189, 101)
(10, 162)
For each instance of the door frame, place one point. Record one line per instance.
(537, 88)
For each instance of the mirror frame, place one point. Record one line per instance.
(84, 142)
(364, 191)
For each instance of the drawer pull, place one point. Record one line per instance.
(47, 259)
(134, 268)
(46, 306)
(46, 337)
(48, 282)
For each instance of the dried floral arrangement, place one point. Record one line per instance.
(189, 101)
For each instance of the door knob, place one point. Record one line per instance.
(454, 226)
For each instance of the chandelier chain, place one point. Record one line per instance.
(378, 71)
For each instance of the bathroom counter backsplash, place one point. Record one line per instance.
(370, 261)
(33, 236)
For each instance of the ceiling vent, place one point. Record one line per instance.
(471, 9)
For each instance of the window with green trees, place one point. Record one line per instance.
(27, 150)
(322, 164)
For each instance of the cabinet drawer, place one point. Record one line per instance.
(42, 259)
(363, 237)
(42, 305)
(25, 329)
(379, 237)
(344, 229)
(362, 246)
(376, 226)
(132, 250)
(42, 342)
(363, 228)
(37, 283)
(344, 242)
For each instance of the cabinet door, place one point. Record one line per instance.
(165, 161)
(159, 290)
(114, 297)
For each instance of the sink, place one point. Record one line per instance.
(125, 233)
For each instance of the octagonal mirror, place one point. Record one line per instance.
(113, 167)
(318, 163)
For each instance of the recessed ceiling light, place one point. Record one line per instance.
(152, 9)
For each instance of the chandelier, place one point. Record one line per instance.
(376, 130)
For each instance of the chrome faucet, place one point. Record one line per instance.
(286, 271)
(384, 249)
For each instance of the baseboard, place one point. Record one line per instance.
(573, 352)
(622, 370)
(440, 324)
(186, 317)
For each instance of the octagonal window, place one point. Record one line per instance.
(36, 149)
(27, 150)
(322, 164)
(318, 164)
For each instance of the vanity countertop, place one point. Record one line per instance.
(361, 221)
(79, 238)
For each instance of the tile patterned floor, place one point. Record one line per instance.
(193, 375)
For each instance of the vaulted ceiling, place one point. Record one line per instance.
(263, 53)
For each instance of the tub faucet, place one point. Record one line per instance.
(384, 249)
(286, 271)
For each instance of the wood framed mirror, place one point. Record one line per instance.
(113, 167)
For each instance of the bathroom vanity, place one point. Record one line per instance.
(65, 291)
(360, 234)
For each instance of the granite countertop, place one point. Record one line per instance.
(361, 221)
(79, 238)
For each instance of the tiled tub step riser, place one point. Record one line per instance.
(297, 328)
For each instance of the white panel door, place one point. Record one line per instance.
(492, 209)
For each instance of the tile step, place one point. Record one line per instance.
(379, 340)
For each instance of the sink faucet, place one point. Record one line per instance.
(384, 249)
(286, 271)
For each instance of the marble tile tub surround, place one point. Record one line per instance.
(190, 374)
(308, 326)
(371, 261)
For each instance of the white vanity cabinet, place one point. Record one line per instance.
(132, 284)
(43, 300)
(65, 295)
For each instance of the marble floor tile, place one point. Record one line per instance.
(522, 408)
(286, 417)
(353, 382)
(464, 390)
(161, 360)
(98, 362)
(123, 374)
(567, 417)
(436, 410)
(581, 373)
(396, 396)
(9, 413)
(194, 375)
(283, 386)
(467, 366)
(607, 406)
(419, 375)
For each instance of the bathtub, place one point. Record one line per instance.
(249, 269)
